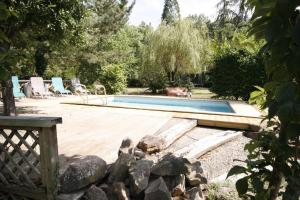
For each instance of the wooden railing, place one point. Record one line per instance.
(28, 158)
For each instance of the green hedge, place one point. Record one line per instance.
(113, 78)
(235, 73)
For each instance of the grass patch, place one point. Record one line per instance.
(202, 93)
(197, 93)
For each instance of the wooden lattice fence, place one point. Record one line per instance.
(28, 158)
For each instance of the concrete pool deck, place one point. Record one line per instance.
(91, 130)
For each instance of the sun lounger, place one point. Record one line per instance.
(16, 87)
(58, 86)
(38, 87)
(78, 87)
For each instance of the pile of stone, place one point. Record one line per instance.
(135, 175)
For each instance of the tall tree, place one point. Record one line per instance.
(225, 12)
(85, 58)
(171, 12)
(273, 164)
(232, 11)
(106, 18)
(22, 24)
(178, 49)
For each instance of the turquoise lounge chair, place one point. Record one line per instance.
(16, 87)
(58, 86)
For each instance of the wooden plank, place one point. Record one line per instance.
(49, 161)
(174, 129)
(202, 146)
(227, 124)
(24, 192)
(169, 124)
(29, 121)
(201, 132)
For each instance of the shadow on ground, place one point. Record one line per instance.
(24, 110)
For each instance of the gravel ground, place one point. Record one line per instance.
(219, 161)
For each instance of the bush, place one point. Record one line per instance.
(113, 78)
(157, 84)
(235, 73)
(153, 76)
(88, 71)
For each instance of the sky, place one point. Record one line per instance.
(150, 11)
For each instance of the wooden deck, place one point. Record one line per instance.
(224, 121)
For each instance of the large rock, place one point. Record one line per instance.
(82, 173)
(179, 198)
(157, 190)
(96, 193)
(106, 188)
(139, 154)
(170, 165)
(194, 193)
(175, 184)
(139, 174)
(120, 191)
(120, 169)
(195, 174)
(71, 196)
(127, 146)
(151, 144)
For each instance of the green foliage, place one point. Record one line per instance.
(124, 48)
(171, 12)
(88, 71)
(153, 77)
(113, 78)
(23, 24)
(274, 156)
(225, 12)
(104, 40)
(235, 73)
(258, 97)
(41, 61)
(232, 11)
(175, 50)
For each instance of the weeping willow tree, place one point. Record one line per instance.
(176, 50)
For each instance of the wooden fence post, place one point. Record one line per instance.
(49, 161)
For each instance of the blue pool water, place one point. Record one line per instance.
(171, 104)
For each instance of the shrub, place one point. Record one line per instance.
(153, 77)
(113, 78)
(235, 73)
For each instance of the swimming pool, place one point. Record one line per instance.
(171, 104)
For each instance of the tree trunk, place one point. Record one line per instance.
(40, 59)
(173, 73)
(9, 107)
(277, 174)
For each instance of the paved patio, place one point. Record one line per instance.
(93, 130)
